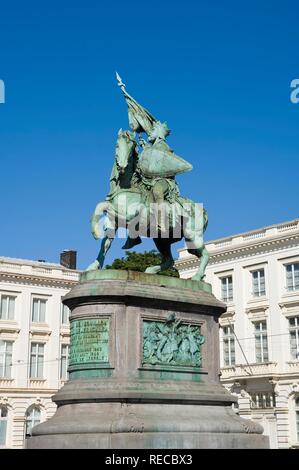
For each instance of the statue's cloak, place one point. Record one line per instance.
(159, 160)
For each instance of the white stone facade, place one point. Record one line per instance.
(257, 275)
(34, 338)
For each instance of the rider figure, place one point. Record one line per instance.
(162, 187)
(160, 164)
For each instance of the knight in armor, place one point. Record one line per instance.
(151, 172)
(157, 163)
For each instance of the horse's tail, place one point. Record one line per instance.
(101, 209)
(205, 219)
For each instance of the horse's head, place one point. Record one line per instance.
(125, 146)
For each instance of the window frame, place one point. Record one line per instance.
(10, 297)
(31, 422)
(294, 286)
(259, 292)
(66, 358)
(63, 307)
(227, 296)
(3, 419)
(6, 354)
(296, 402)
(229, 339)
(35, 363)
(294, 329)
(259, 339)
(39, 300)
(262, 398)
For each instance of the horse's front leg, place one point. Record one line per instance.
(202, 253)
(100, 209)
(105, 245)
(193, 234)
(167, 262)
(109, 231)
(99, 262)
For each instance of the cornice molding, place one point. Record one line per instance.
(33, 280)
(242, 251)
(10, 392)
(9, 326)
(257, 313)
(42, 333)
(226, 318)
(65, 335)
(289, 306)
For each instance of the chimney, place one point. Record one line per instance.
(68, 259)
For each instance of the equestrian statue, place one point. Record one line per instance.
(144, 197)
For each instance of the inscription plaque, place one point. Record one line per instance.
(89, 341)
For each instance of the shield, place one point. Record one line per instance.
(157, 161)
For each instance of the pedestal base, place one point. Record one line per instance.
(144, 369)
(147, 426)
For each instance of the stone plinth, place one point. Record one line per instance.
(144, 369)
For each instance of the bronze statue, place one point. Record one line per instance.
(144, 196)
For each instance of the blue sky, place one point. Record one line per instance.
(218, 72)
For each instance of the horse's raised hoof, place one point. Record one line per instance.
(153, 269)
(96, 234)
(93, 266)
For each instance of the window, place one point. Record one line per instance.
(36, 361)
(227, 288)
(32, 419)
(65, 314)
(294, 337)
(292, 272)
(297, 417)
(5, 359)
(261, 342)
(39, 310)
(3, 425)
(64, 361)
(262, 400)
(7, 307)
(258, 283)
(228, 346)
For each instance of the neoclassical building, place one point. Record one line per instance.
(257, 275)
(34, 343)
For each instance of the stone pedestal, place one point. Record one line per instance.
(144, 369)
